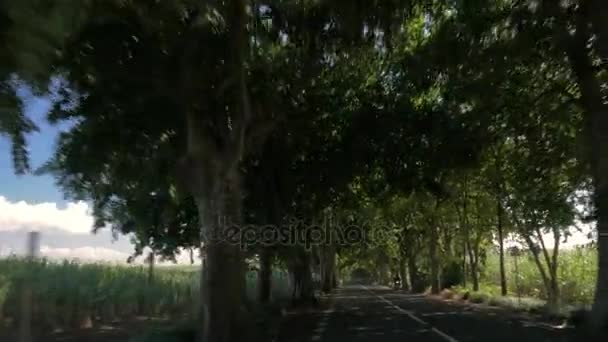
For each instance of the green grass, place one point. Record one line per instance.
(487, 294)
(67, 293)
(576, 275)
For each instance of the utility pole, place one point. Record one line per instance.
(25, 323)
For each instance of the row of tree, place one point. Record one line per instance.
(449, 122)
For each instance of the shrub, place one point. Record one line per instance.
(477, 297)
(446, 294)
(575, 274)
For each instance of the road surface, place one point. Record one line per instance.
(360, 313)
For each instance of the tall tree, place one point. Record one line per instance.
(32, 33)
(580, 49)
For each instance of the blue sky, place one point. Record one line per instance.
(31, 202)
(30, 188)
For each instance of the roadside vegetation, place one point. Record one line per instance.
(525, 291)
(72, 295)
(427, 132)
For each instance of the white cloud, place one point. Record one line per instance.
(75, 218)
(64, 233)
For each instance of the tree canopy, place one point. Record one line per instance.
(441, 126)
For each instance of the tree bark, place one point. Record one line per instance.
(596, 117)
(213, 163)
(501, 250)
(473, 266)
(303, 289)
(434, 260)
(541, 268)
(328, 262)
(598, 10)
(334, 279)
(464, 264)
(383, 274)
(474, 261)
(474, 247)
(498, 185)
(554, 267)
(223, 280)
(467, 250)
(549, 282)
(265, 275)
(151, 261)
(417, 285)
(403, 273)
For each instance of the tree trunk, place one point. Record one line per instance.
(599, 312)
(383, 269)
(434, 261)
(464, 222)
(498, 182)
(334, 279)
(464, 264)
(307, 292)
(473, 264)
(151, 260)
(596, 115)
(403, 273)
(501, 250)
(546, 274)
(417, 285)
(553, 267)
(223, 280)
(328, 263)
(265, 276)
(303, 289)
(214, 182)
(553, 300)
(598, 10)
(473, 261)
(224, 292)
(539, 264)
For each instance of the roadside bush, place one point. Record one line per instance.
(451, 274)
(478, 298)
(575, 274)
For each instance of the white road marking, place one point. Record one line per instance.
(412, 316)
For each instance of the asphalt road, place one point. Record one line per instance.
(360, 313)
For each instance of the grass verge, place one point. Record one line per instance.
(527, 305)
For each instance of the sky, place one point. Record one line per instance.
(28, 187)
(31, 202)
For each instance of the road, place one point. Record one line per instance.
(360, 313)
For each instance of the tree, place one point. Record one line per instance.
(209, 131)
(220, 115)
(155, 65)
(576, 46)
(31, 34)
